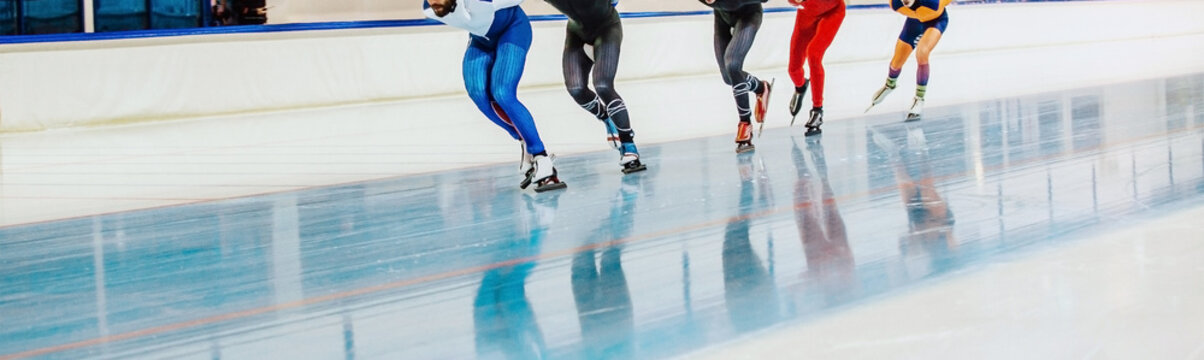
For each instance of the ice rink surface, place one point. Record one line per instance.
(1016, 220)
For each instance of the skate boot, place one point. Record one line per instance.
(796, 101)
(544, 176)
(744, 138)
(762, 104)
(630, 160)
(813, 124)
(880, 96)
(526, 165)
(612, 133)
(917, 109)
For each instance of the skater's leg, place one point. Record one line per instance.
(723, 37)
(577, 65)
(913, 30)
(825, 32)
(507, 71)
(606, 52)
(931, 37)
(800, 40)
(743, 35)
(478, 64)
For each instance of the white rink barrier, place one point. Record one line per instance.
(62, 84)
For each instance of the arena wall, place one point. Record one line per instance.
(46, 85)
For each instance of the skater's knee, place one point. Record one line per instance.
(478, 94)
(922, 55)
(797, 72)
(727, 79)
(579, 93)
(815, 60)
(734, 70)
(504, 95)
(605, 89)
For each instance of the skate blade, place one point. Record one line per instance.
(793, 118)
(913, 118)
(760, 128)
(868, 108)
(745, 149)
(634, 169)
(550, 187)
(813, 132)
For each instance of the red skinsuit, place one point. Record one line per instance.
(815, 26)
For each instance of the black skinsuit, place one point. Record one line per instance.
(736, 25)
(595, 23)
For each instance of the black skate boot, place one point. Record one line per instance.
(796, 101)
(816, 120)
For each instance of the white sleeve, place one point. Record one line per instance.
(473, 15)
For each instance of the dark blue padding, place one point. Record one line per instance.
(244, 29)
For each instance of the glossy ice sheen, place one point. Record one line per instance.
(705, 246)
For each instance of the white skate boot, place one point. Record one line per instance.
(880, 96)
(544, 175)
(917, 109)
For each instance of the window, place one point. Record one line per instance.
(51, 16)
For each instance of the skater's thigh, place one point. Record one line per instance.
(477, 70)
(606, 54)
(575, 62)
(931, 37)
(511, 60)
(743, 36)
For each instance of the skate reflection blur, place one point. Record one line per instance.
(749, 289)
(821, 228)
(600, 289)
(929, 247)
(504, 322)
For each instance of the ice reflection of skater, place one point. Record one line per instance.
(822, 229)
(504, 322)
(600, 286)
(929, 219)
(750, 292)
